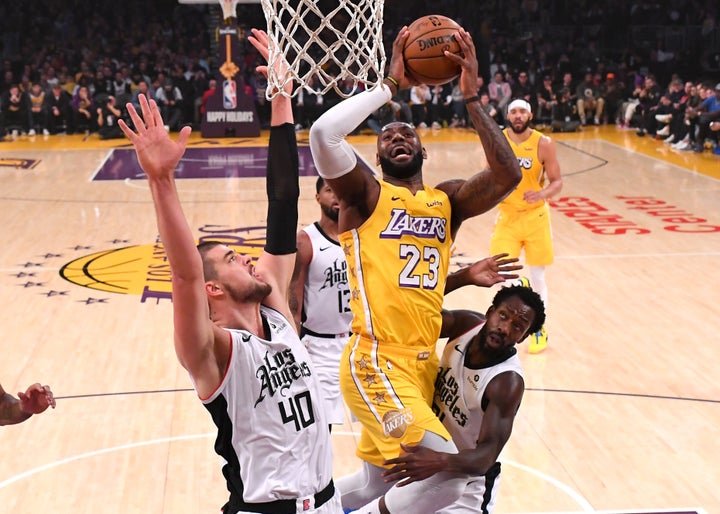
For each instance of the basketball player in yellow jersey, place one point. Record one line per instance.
(523, 221)
(396, 233)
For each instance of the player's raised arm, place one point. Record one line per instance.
(158, 156)
(485, 189)
(334, 158)
(277, 261)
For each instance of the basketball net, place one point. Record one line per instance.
(229, 8)
(325, 44)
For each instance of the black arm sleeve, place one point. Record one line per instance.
(283, 190)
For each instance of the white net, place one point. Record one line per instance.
(327, 44)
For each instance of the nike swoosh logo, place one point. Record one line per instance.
(395, 198)
(325, 248)
(245, 338)
(457, 347)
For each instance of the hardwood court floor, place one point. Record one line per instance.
(622, 412)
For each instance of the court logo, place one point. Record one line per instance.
(24, 164)
(144, 271)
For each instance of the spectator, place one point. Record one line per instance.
(589, 99)
(522, 88)
(709, 112)
(59, 110)
(612, 91)
(420, 95)
(500, 92)
(84, 114)
(16, 111)
(38, 110)
(565, 116)
(212, 85)
(648, 96)
(546, 101)
(107, 120)
(170, 100)
(491, 109)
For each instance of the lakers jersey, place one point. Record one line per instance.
(272, 431)
(533, 173)
(397, 266)
(459, 390)
(326, 297)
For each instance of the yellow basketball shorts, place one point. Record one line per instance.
(389, 389)
(527, 231)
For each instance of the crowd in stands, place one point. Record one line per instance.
(70, 67)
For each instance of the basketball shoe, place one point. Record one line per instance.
(538, 341)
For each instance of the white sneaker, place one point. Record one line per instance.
(663, 118)
(422, 125)
(46, 132)
(684, 145)
(435, 125)
(665, 131)
(31, 132)
(15, 133)
(669, 139)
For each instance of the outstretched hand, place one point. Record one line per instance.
(36, 399)
(418, 463)
(492, 270)
(157, 153)
(396, 68)
(262, 43)
(467, 61)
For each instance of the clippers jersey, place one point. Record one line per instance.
(272, 431)
(533, 173)
(404, 249)
(459, 390)
(326, 298)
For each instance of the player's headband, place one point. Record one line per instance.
(519, 103)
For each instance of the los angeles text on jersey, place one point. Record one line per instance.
(401, 223)
(278, 372)
(447, 393)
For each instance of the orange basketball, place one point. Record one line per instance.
(424, 50)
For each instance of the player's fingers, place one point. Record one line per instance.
(127, 131)
(138, 123)
(184, 136)
(155, 113)
(145, 110)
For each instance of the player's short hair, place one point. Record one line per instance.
(529, 298)
(319, 184)
(209, 271)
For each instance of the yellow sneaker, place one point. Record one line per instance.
(525, 282)
(538, 341)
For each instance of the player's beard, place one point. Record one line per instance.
(402, 171)
(257, 293)
(522, 128)
(330, 212)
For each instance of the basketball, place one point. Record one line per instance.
(425, 61)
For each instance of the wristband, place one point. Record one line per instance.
(472, 99)
(394, 82)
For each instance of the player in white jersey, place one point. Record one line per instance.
(477, 394)
(320, 298)
(234, 332)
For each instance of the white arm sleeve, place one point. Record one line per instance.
(333, 156)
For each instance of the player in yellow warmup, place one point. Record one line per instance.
(523, 221)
